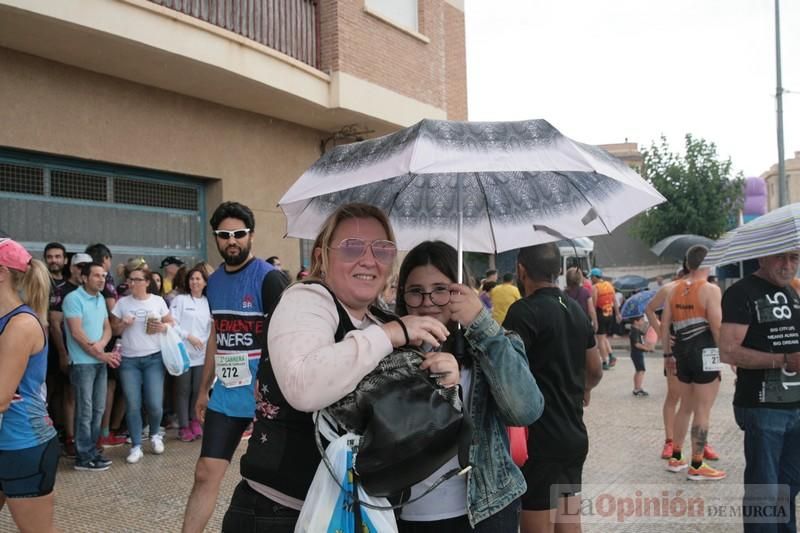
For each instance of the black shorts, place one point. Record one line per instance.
(30, 472)
(638, 361)
(252, 512)
(605, 324)
(551, 479)
(689, 360)
(222, 434)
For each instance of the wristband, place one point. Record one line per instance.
(405, 330)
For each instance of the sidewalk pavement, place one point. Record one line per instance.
(626, 436)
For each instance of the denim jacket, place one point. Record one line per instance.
(503, 393)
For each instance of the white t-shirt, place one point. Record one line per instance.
(449, 499)
(192, 317)
(135, 340)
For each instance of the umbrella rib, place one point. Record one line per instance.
(603, 222)
(488, 211)
(398, 193)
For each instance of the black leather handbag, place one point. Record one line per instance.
(409, 425)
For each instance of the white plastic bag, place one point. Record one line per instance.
(173, 352)
(327, 508)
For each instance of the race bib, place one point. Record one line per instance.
(233, 370)
(711, 362)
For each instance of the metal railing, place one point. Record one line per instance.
(288, 26)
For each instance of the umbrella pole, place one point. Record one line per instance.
(460, 238)
(458, 344)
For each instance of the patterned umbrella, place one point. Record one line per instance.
(776, 232)
(488, 186)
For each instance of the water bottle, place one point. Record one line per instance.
(117, 351)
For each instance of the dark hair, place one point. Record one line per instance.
(151, 285)
(438, 254)
(271, 259)
(98, 251)
(490, 272)
(488, 286)
(695, 256)
(232, 210)
(508, 277)
(188, 274)
(542, 262)
(55, 245)
(86, 268)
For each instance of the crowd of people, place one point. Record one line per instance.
(81, 370)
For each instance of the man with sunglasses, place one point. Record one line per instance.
(241, 293)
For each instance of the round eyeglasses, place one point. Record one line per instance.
(353, 248)
(440, 296)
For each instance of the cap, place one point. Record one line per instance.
(171, 260)
(80, 258)
(14, 256)
(596, 272)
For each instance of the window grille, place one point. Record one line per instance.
(151, 194)
(21, 180)
(65, 184)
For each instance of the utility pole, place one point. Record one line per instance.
(783, 186)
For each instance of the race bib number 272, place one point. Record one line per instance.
(233, 370)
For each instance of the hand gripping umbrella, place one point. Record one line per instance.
(488, 186)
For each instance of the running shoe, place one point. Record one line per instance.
(135, 455)
(676, 465)
(612, 360)
(157, 441)
(605, 366)
(709, 453)
(666, 453)
(186, 434)
(91, 466)
(197, 429)
(111, 441)
(704, 472)
(101, 460)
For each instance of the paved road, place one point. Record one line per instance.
(625, 442)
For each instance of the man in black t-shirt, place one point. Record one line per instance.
(760, 334)
(560, 343)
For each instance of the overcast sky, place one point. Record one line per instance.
(602, 71)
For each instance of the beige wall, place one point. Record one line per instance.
(792, 168)
(67, 111)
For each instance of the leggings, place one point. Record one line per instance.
(188, 385)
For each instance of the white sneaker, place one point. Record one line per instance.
(158, 444)
(135, 455)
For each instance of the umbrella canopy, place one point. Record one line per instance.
(776, 232)
(510, 184)
(636, 304)
(631, 283)
(675, 246)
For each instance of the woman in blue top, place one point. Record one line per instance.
(28, 444)
(499, 391)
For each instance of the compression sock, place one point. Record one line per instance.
(697, 461)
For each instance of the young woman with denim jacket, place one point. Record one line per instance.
(499, 391)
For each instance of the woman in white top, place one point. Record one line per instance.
(140, 318)
(193, 323)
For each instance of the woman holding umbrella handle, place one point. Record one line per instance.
(313, 359)
(499, 391)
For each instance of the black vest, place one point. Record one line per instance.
(282, 453)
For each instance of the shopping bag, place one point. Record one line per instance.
(330, 509)
(173, 352)
(518, 442)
